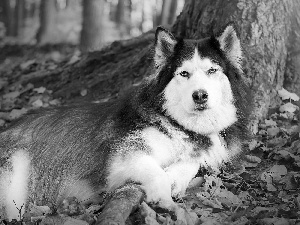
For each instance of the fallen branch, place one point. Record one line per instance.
(119, 207)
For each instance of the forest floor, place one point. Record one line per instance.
(263, 189)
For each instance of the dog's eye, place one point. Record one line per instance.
(184, 74)
(212, 71)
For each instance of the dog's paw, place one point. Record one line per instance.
(178, 190)
(158, 190)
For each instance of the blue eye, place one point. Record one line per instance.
(211, 71)
(184, 74)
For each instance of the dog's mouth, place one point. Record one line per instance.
(201, 107)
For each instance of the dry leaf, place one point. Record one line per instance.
(252, 159)
(288, 107)
(284, 94)
(35, 210)
(26, 64)
(40, 90)
(274, 221)
(37, 103)
(270, 122)
(273, 131)
(16, 113)
(83, 92)
(11, 95)
(72, 221)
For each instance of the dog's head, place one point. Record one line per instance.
(197, 76)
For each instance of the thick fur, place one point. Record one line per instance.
(154, 135)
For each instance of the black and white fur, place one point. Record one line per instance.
(191, 112)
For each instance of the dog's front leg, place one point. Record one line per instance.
(144, 169)
(181, 174)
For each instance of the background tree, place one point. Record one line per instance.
(92, 26)
(13, 16)
(19, 17)
(46, 29)
(7, 16)
(173, 10)
(165, 12)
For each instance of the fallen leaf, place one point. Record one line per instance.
(40, 90)
(273, 221)
(274, 175)
(72, 221)
(2, 122)
(228, 198)
(253, 144)
(37, 104)
(277, 172)
(54, 102)
(270, 122)
(75, 58)
(55, 56)
(252, 159)
(4, 116)
(83, 92)
(289, 182)
(11, 95)
(273, 131)
(26, 64)
(16, 113)
(284, 94)
(288, 107)
(3, 83)
(35, 210)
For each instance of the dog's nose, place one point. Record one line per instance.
(200, 96)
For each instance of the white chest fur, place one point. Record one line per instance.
(166, 149)
(177, 148)
(175, 153)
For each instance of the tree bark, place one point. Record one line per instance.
(122, 17)
(292, 71)
(8, 17)
(120, 12)
(122, 203)
(173, 10)
(165, 12)
(19, 17)
(46, 30)
(92, 25)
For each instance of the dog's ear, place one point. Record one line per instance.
(164, 46)
(230, 44)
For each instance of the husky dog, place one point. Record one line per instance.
(191, 112)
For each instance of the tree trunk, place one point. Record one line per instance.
(165, 12)
(120, 12)
(265, 29)
(122, 17)
(19, 17)
(47, 27)
(142, 16)
(173, 9)
(292, 71)
(8, 17)
(92, 25)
